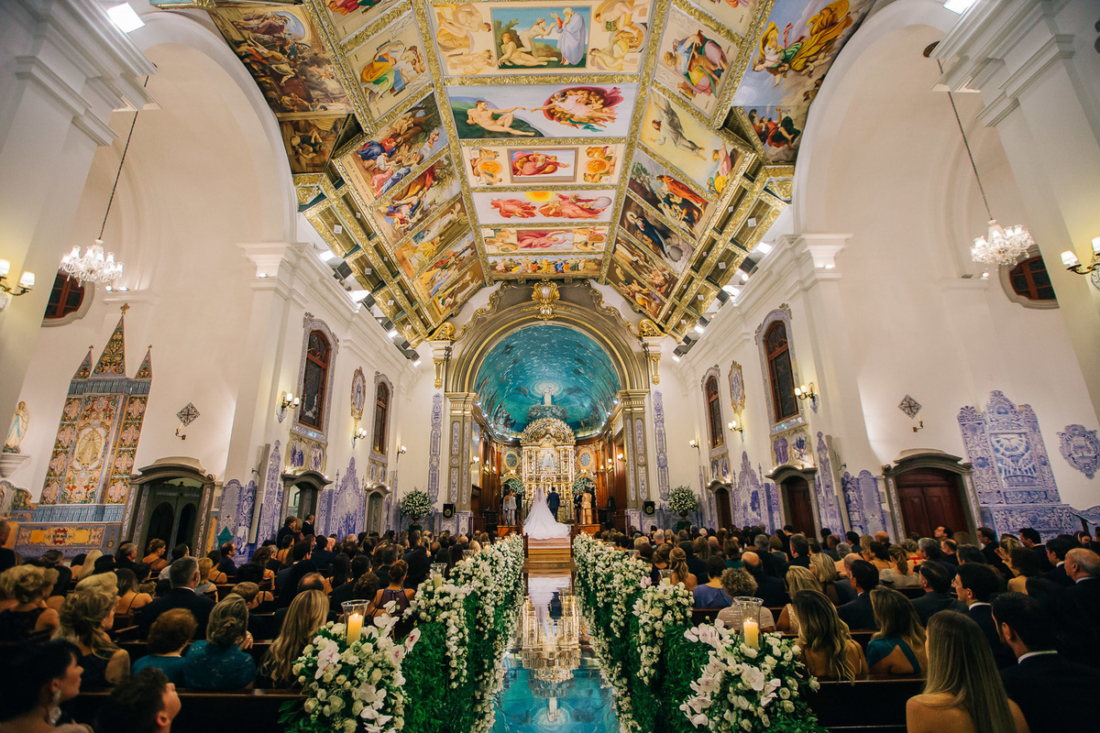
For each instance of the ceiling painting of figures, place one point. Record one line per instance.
(528, 364)
(439, 147)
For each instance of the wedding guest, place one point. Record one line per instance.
(712, 594)
(146, 703)
(126, 557)
(1041, 674)
(733, 553)
(395, 592)
(8, 558)
(206, 586)
(130, 599)
(963, 691)
(899, 574)
(168, 636)
(286, 582)
(827, 647)
(417, 560)
(345, 591)
(363, 587)
(824, 570)
(1057, 549)
(289, 529)
(949, 548)
(35, 681)
(226, 566)
(988, 539)
(898, 646)
(660, 561)
(1083, 568)
(696, 566)
(307, 613)
(88, 567)
(29, 586)
(179, 552)
(54, 560)
(740, 582)
(1022, 563)
(256, 570)
(218, 663)
(341, 570)
(154, 558)
(800, 551)
(1075, 637)
(845, 593)
(86, 617)
(798, 579)
(843, 550)
(975, 585)
(768, 588)
(677, 560)
(858, 614)
(184, 577)
(936, 584)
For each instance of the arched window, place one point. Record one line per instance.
(1030, 280)
(714, 413)
(381, 413)
(315, 381)
(778, 352)
(65, 298)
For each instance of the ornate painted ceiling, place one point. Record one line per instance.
(440, 148)
(530, 363)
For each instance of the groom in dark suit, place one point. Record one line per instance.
(553, 501)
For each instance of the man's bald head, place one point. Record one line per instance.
(750, 559)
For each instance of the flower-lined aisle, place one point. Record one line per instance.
(671, 676)
(440, 678)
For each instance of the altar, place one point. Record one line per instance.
(549, 460)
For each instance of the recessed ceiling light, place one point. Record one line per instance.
(393, 333)
(958, 6)
(764, 247)
(125, 17)
(328, 255)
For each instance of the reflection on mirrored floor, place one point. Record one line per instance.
(552, 679)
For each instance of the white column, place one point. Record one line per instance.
(66, 67)
(1038, 73)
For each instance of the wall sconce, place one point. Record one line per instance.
(400, 452)
(359, 434)
(620, 456)
(735, 428)
(286, 400)
(807, 392)
(475, 459)
(7, 292)
(1069, 259)
(694, 444)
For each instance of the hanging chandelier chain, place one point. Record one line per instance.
(966, 143)
(121, 162)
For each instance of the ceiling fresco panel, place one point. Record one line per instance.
(543, 206)
(390, 67)
(309, 141)
(636, 292)
(540, 165)
(419, 249)
(668, 192)
(694, 60)
(407, 205)
(454, 294)
(671, 247)
(779, 130)
(509, 240)
(525, 266)
(734, 14)
(348, 17)
(542, 111)
(676, 136)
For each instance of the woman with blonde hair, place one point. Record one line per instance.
(677, 560)
(130, 599)
(827, 647)
(824, 570)
(963, 690)
(798, 578)
(898, 645)
(901, 574)
(89, 565)
(86, 617)
(219, 663)
(29, 586)
(307, 613)
(206, 586)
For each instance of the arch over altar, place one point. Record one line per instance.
(549, 460)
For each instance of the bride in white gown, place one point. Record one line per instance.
(540, 523)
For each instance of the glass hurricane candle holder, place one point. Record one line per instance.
(747, 610)
(354, 614)
(439, 570)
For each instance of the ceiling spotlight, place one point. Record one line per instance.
(731, 290)
(763, 247)
(392, 333)
(701, 325)
(744, 276)
(327, 255)
(675, 358)
(416, 363)
(125, 17)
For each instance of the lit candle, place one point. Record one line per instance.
(437, 580)
(355, 627)
(752, 634)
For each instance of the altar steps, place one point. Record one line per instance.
(554, 554)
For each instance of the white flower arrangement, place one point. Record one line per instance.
(660, 608)
(445, 604)
(357, 686)
(416, 504)
(747, 689)
(682, 500)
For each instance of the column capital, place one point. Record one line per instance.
(821, 249)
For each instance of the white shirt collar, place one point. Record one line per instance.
(975, 604)
(1036, 654)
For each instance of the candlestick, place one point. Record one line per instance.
(355, 627)
(437, 580)
(752, 634)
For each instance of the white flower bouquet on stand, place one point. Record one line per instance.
(682, 501)
(416, 504)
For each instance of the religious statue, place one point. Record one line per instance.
(548, 463)
(586, 508)
(547, 396)
(18, 429)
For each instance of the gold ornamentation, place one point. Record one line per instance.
(546, 295)
(648, 328)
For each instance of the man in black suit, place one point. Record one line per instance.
(309, 581)
(845, 593)
(578, 498)
(975, 585)
(323, 554)
(1054, 694)
(7, 555)
(830, 547)
(988, 538)
(800, 551)
(1033, 541)
(307, 526)
(1083, 568)
(936, 584)
(286, 581)
(769, 589)
(697, 566)
(858, 614)
(126, 557)
(183, 574)
(227, 565)
(553, 501)
(1057, 549)
(419, 563)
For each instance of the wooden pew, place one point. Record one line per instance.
(206, 712)
(873, 704)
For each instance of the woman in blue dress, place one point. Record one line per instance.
(219, 663)
(898, 646)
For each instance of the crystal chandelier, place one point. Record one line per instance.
(999, 246)
(95, 265)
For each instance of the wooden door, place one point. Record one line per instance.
(930, 498)
(725, 512)
(800, 513)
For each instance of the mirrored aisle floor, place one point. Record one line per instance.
(552, 680)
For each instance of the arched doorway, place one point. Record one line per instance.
(723, 503)
(376, 501)
(302, 494)
(930, 488)
(796, 497)
(169, 500)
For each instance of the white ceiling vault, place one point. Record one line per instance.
(441, 147)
